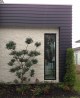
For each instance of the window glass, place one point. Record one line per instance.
(50, 56)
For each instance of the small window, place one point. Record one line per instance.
(50, 56)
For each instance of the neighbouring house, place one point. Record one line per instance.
(49, 24)
(77, 55)
(1, 2)
(78, 41)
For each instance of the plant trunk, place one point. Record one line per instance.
(22, 75)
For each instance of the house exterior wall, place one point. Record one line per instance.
(77, 57)
(19, 35)
(41, 16)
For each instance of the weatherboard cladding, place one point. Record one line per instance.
(15, 15)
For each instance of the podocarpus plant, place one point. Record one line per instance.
(70, 76)
(22, 60)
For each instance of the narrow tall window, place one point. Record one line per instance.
(50, 56)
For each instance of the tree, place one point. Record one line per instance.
(22, 60)
(70, 76)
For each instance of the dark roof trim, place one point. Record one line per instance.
(28, 14)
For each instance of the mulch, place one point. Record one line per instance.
(8, 91)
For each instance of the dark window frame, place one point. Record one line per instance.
(55, 55)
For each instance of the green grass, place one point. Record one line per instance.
(77, 84)
(74, 97)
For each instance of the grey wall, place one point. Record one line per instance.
(22, 15)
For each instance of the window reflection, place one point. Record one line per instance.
(49, 56)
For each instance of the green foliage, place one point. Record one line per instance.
(70, 76)
(28, 64)
(37, 91)
(28, 40)
(37, 44)
(13, 60)
(24, 52)
(36, 53)
(11, 45)
(42, 88)
(60, 85)
(18, 74)
(15, 69)
(33, 53)
(25, 70)
(22, 89)
(34, 61)
(46, 89)
(13, 53)
(22, 60)
(16, 81)
(18, 53)
(10, 63)
(32, 73)
(74, 97)
(77, 84)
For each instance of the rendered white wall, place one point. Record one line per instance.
(19, 35)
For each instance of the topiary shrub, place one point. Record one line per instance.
(70, 75)
(22, 60)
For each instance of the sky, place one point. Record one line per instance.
(75, 13)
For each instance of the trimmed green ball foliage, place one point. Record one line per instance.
(22, 60)
(70, 76)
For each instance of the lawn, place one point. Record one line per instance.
(77, 84)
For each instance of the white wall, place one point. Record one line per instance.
(19, 35)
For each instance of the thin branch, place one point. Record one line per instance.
(27, 47)
(35, 48)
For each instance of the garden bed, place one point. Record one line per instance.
(35, 91)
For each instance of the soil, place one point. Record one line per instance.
(9, 91)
